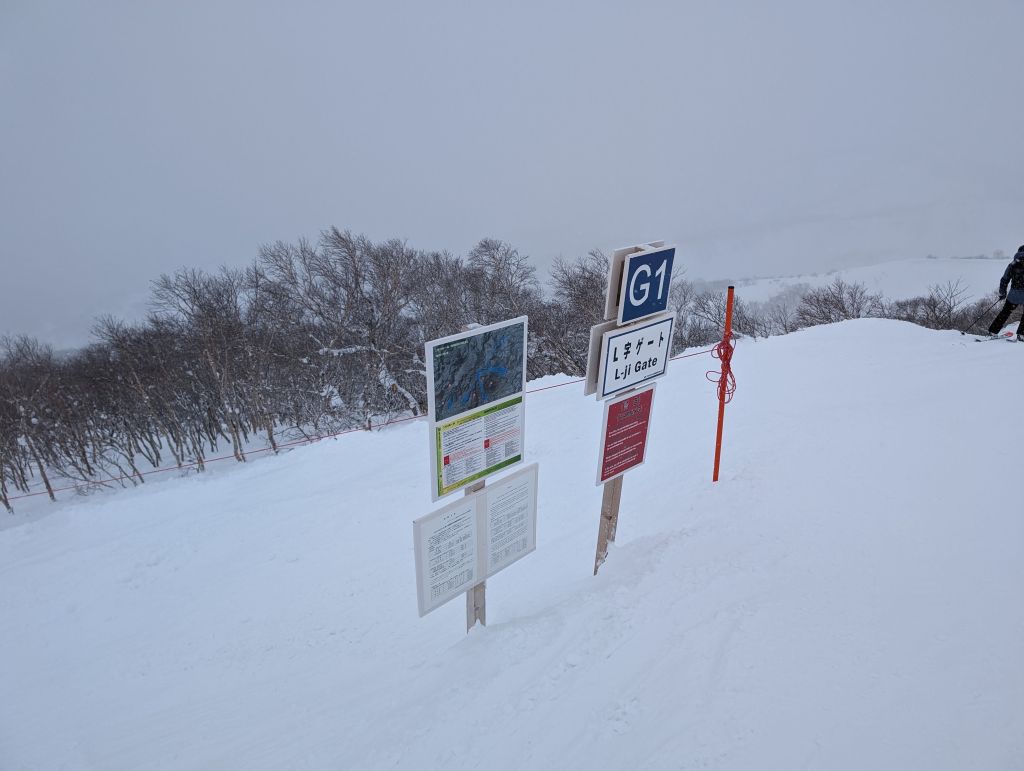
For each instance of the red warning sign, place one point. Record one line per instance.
(624, 437)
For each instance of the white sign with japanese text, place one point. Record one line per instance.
(468, 541)
(635, 354)
(511, 519)
(447, 553)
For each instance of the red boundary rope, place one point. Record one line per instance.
(296, 442)
(724, 378)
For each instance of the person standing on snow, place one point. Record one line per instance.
(1013, 278)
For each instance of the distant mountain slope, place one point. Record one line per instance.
(895, 280)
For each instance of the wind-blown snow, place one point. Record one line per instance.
(847, 597)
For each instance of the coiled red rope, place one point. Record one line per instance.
(724, 378)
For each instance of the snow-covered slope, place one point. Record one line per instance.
(847, 597)
(895, 280)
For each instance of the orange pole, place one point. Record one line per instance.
(723, 382)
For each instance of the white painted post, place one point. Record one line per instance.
(476, 598)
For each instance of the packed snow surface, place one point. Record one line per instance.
(848, 596)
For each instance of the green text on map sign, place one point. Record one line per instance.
(475, 385)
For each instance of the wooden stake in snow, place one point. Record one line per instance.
(476, 598)
(609, 519)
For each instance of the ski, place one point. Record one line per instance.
(1009, 336)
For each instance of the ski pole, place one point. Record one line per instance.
(993, 305)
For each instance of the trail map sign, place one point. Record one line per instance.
(466, 542)
(631, 356)
(624, 433)
(475, 386)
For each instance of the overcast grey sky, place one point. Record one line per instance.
(762, 137)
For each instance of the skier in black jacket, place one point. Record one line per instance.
(1013, 278)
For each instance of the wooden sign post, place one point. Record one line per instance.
(476, 597)
(609, 519)
(628, 351)
(476, 383)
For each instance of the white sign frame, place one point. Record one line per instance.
(484, 507)
(613, 290)
(606, 346)
(594, 354)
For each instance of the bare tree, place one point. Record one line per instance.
(560, 326)
(839, 301)
(502, 282)
(328, 333)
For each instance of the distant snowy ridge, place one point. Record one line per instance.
(895, 280)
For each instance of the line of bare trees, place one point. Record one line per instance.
(701, 314)
(315, 337)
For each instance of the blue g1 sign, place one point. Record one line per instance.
(646, 278)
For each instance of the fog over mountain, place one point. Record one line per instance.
(762, 138)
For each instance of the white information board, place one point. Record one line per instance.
(475, 385)
(511, 519)
(447, 553)
(635, 354)
(464, 543)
